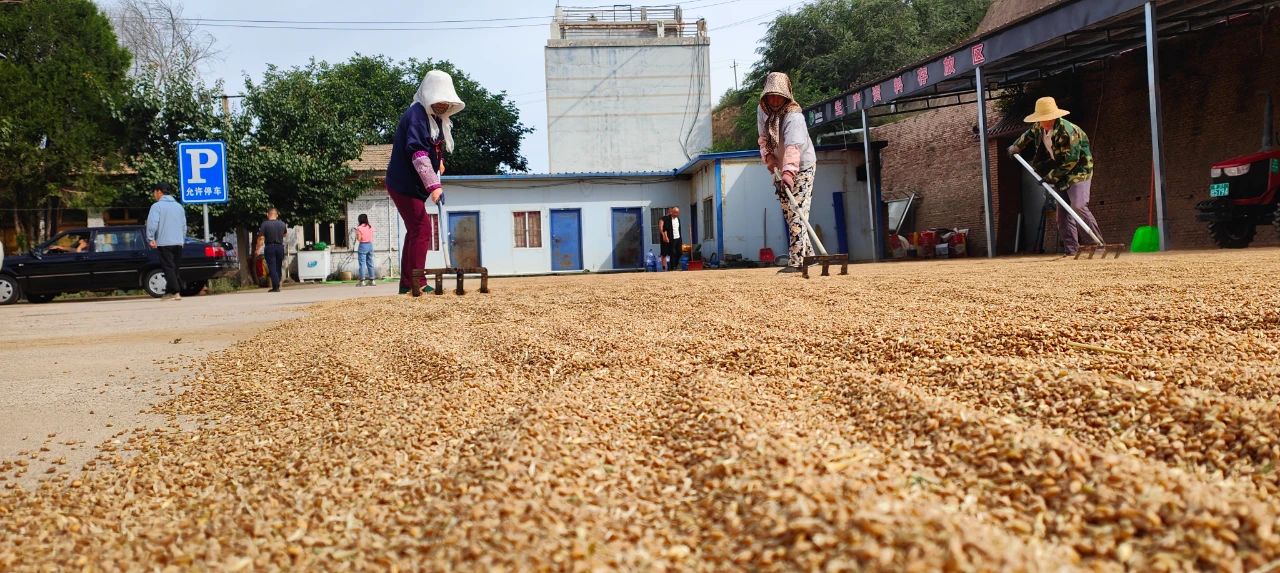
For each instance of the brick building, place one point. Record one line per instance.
(1211, 83)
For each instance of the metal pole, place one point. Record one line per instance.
(872, 212)
(1157, 130)
(207, 234)
(986, 166)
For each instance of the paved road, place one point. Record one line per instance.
(75, 373)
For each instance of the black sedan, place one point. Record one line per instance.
(106, 259)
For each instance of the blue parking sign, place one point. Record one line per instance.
(202, 171)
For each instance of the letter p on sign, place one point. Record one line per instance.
(202, 172)
(200, 159)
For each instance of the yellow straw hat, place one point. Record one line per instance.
(1046, 109)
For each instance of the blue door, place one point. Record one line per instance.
(566, 239)
(628, 238)
(842, 233)
(464, 239)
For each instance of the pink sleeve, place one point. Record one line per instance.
(422, 163)
(765, 156)
(791, 158)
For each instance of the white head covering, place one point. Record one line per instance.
(437, 87)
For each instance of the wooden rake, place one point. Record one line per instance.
(448, 269)
(824, 259)
(1098, 245)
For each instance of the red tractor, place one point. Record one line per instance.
(1244, 193)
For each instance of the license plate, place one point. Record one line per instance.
(1219, 190)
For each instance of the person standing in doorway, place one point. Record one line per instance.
(166, 233)
(271, 236)
(787, 151)
(364, 252)
(422, 138)
(672, 244)
(1064, 159)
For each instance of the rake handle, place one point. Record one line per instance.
(1063, 203)
(791, 200)
(444, 249)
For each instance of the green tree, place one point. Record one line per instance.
(830, 45)
(160, 113)
(296, 155)
(62, 79)
(371, 92)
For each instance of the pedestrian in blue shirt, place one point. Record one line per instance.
(166, 233)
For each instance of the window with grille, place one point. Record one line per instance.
(433, 241)
(655, 216)
(333, 234)
(708, 219)
(528, 225)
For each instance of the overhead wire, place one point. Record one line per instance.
(758, 17)
(395, 25)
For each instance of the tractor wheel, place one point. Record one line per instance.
(1232, 234)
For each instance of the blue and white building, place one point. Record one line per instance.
(518, 224)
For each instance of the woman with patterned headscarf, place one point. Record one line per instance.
(424, 135)
(785, 147)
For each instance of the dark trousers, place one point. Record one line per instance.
(274, 254)
(417, 236)
(169, 257)
(674, 250)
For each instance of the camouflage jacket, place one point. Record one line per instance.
(1072, 159)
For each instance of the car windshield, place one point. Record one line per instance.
(109, 241)
(69, 243)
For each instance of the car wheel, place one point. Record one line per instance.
(193, 288)
(9, 290)
(40, 298)
(154, 283)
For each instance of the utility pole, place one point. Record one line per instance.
(735, 75)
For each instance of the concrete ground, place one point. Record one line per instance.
(78, 372)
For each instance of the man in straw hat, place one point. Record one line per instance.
(1064, 159)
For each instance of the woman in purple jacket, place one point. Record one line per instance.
(424, 135)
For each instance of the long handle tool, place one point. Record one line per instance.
(824, 258)
(1097, 245)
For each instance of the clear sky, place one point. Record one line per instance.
(508, 56)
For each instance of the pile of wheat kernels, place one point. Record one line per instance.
(1026, 414)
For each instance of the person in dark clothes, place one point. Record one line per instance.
(271, 237)
(672, 239)
(422, 138)
(166, 233)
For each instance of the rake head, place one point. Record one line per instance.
(1115, 248)
(826, 261)
(439, 274)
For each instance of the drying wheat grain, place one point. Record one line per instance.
(954, 416)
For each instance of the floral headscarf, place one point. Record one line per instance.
(776, 83)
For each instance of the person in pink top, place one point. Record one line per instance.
(364, 253)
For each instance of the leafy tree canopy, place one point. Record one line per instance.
(62, 79)
(829, 45)
(371, 92)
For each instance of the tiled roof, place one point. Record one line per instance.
(373, 158)
(1002, 12)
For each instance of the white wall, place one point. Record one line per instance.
(747, 201)
(614, 108)
(497, 200)
(750, 205)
